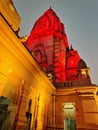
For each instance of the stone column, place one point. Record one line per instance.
(20, 119)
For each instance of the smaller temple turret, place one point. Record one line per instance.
(77, 70)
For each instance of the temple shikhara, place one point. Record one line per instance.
(48, 43)
(44, 82)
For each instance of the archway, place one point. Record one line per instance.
(69, 116)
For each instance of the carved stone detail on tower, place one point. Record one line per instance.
(49, 45)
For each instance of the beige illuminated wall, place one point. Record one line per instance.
(21, 80)
(85, 102)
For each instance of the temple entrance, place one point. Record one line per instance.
(7, 113)
(69, 116)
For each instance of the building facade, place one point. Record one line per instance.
(44, 83)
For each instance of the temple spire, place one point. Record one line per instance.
(71, 47)
(50, 7)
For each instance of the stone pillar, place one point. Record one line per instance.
(59, 116)
(20, 119)
(54, 111)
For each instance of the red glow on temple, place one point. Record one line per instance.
(49, 45)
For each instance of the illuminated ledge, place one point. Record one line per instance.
(80, 91)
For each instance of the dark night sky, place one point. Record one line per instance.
(80, 18)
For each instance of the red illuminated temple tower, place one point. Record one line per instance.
(49, 45)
